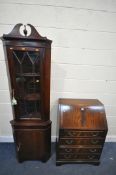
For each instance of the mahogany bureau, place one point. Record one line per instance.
(82, 129)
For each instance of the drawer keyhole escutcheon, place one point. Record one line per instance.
(67, 156)
(91, 157)
(95, 134)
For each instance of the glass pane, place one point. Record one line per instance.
(27, 67)
(29, 109)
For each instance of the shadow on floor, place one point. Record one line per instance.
(10, 166)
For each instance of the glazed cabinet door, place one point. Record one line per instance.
(27, 79)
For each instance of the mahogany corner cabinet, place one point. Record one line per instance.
(82, 131)
(28, 55)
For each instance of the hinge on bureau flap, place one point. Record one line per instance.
(83, 116)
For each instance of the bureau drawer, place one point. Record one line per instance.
(69, 156)
(76, 133)
(80, 150)
(81, 141)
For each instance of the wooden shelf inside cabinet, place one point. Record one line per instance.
(32, 97)
(29, 61)
(28, 74)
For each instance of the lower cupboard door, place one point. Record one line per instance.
(32, 144)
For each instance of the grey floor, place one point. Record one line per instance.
(10, 166)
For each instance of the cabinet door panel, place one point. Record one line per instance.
(27, 90)
(32, 144)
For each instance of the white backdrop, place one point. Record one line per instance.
(83, 52)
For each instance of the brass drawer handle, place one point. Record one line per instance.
(72, 133)
(93, 150)
(94, 141)
(68, 150)
(69, 142)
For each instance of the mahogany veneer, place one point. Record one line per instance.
(29, 58)
(82, 130)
